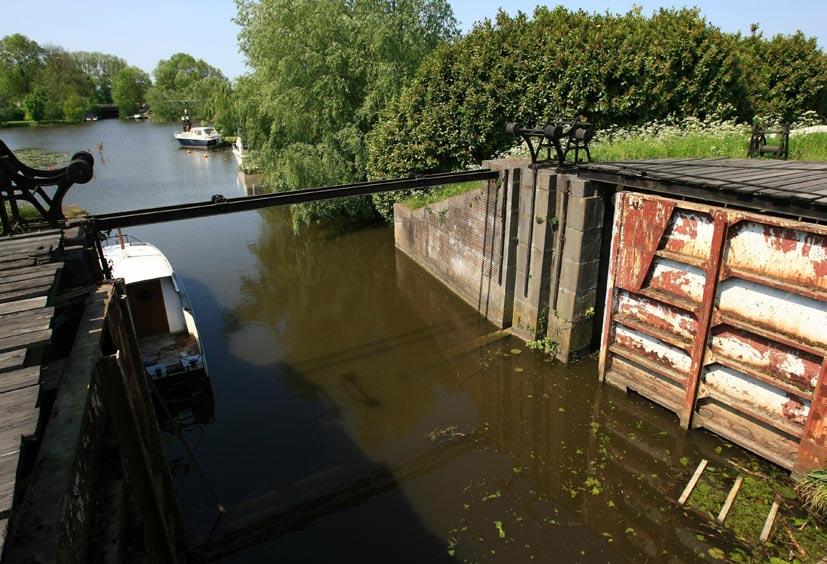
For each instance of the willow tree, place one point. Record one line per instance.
(322, 72)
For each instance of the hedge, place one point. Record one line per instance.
(615, 69)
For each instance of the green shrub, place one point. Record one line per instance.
(618, 69)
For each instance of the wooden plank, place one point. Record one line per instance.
(27, 340)
(765, 532)
(805, 177)
(730, 499)
(29, 273)
(30, 251)
(17, 401)
(19, 379)
(16, 264)
(12, 360)
(22, 422)
(25, 292)
(15, 245)
(692, 482)
(23, 305)
(8, 480)
(23, 326)
(22, 316)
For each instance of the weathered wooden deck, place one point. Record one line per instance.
(29, 272)
(794, 188)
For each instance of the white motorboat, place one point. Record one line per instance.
(161, 312)
(239, 153)
(198, 137)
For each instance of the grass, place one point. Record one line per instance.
(813, 490)
(422, 198)
(810, 147)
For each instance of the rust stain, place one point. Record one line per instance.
(794, 410)
(783, 362)
(780, 239)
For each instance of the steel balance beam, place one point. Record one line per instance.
(220, 205)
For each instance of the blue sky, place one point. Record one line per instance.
(145, 32)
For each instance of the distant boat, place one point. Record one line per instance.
(198, 137)
(91, 117)
(201, 137)
(161, 312)
(138, 116)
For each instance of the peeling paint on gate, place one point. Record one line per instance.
(731, 308)
(785, 254)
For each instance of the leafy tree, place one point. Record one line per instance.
(787, 75)
(129, 88)
(75, 107)
(61, 77)
(179, 79)
(35, 104)
(323, 70)
(101, 69)
(20, 62)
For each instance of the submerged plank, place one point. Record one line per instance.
(692, 482)
(765, 533)
(730, 499)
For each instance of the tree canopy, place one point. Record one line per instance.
(322, 72)
(129, 88)
(101, 69)
(183, 79)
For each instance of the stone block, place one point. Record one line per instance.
(584, 213)
(582, 246)
(576, 306)
(579, 276)
(572, 338)
(580, 188)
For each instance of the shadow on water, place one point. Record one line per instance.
(357, 419)
(294, 483)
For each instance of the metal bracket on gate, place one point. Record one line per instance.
(562, 135)
(20, 183)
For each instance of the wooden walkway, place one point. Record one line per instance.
(795, 188)
(29, 271)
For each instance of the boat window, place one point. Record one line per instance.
(208, 131)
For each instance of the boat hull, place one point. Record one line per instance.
(198, 143)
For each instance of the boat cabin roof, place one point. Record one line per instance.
(136, 262)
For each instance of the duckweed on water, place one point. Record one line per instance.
(794, 534)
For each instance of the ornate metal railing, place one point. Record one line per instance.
(559, 138)
(22, 186)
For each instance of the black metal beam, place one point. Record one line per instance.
(220, 205)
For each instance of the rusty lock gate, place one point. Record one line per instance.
(721, 316)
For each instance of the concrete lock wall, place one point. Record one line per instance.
(523, 250)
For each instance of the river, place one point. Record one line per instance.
(352, 420)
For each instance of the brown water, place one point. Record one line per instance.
(355, 420)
